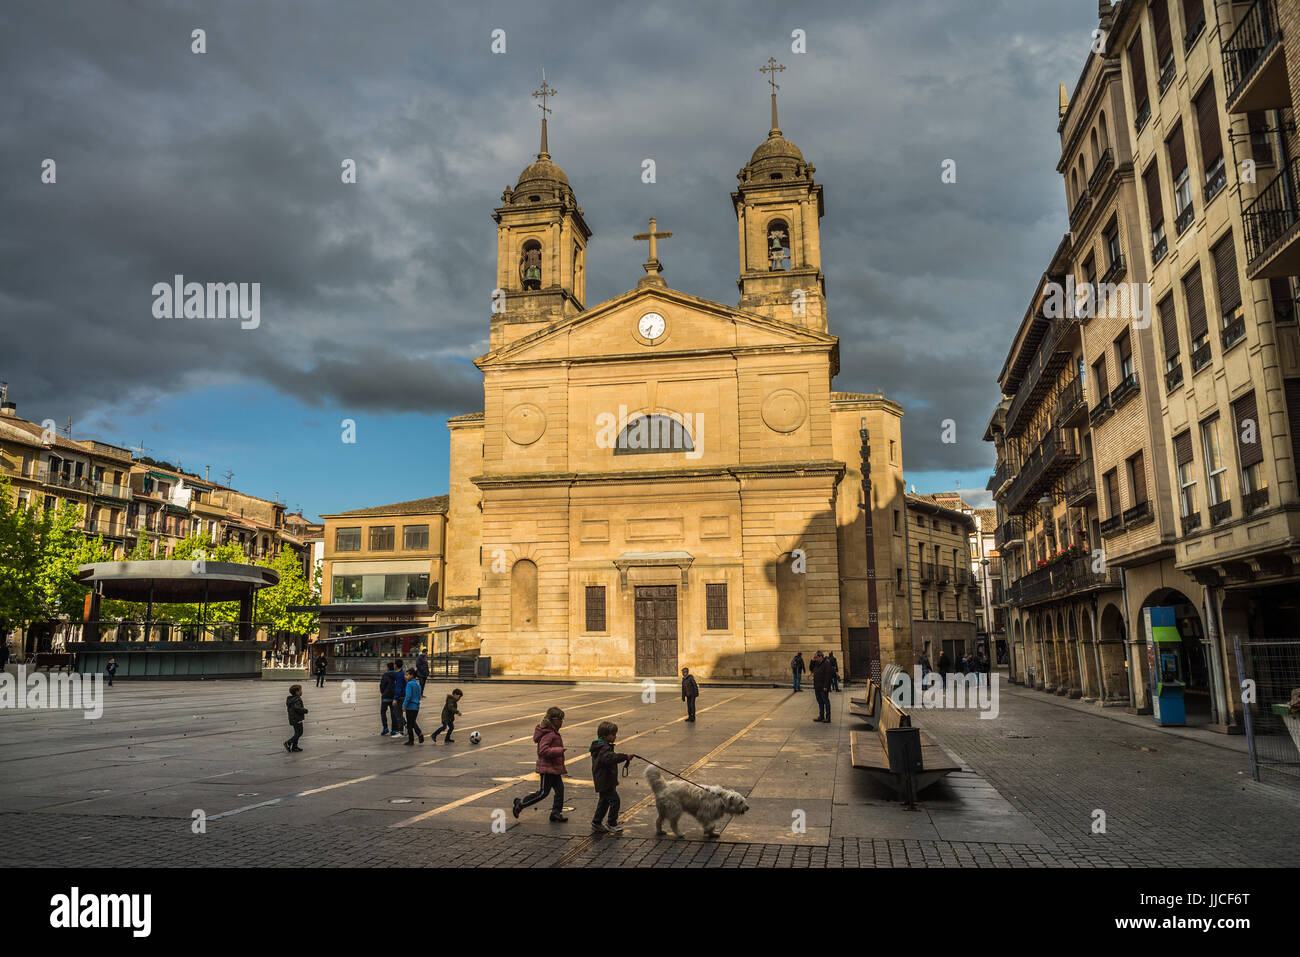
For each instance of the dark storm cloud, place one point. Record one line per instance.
(225, 167)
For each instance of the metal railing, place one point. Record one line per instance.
(1244, 51)
(1080, 483)
(1111, 525)
(1139, 514)
(1127, 388)
(1070, 400)
(1221, 512)
(1272, 731)
(1080, 206)
(1254, 501)
(1100, 410)
(1191, 522)
(1174, 377)
(1104, 162)
(1010, 530)
(1272, 213)
(1233, 332)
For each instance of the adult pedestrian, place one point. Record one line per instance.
(319, 669)
(797, 666)
(821, 675)
(399, 693)
(945, 665)
(924, 662)
(835, 672)
(387, 692)
(690, 691)
(422, 669)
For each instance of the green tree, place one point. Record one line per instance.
(293, 589)
(20, 551)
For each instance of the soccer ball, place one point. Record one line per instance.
(475, 737)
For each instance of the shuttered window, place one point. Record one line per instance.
(1225, 275)
(595, 608)
(1138, 478)
(1177, 153)
(715, 596)
(1193, 18)
(1155, 208)
(1138, 70)
(1169, 326)
(1207, 122)
(1112, 493)
(1248, 452)
(1197, 324)
(1261, 147)
(1183, 448)
(1164, 43)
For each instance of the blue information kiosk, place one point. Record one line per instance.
(1164, 644)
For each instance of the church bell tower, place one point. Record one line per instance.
(777, 211)
(541, 248)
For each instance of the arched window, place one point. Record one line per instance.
(653, 433)
(778, 245)
(530, 265)
(523, 596)
(1101, 125)
(1096, 155)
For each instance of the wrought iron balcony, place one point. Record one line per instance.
(1174, 377)
(1105, 163)
(1010, 531)
(1233, 332)
(61, 480)
(1114, 270)
(1080, 484)
(1215, 180)
(1254, 77)
(1070, 403)
(1159, 244)
(1191, 522)
(1081, 206)
(1050, 459)
(1111, 526)
(1270, 221)
(1201, 357)
(1061, 579)
(1127, 388)
(1101, 410)
(1139, 514)
(1143, 114)
(1184, 218)
(1221, 513)
(926, 571)
(1253, 501)
(942, 574)
(1166, 72)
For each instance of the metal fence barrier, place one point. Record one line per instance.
(1270, 672)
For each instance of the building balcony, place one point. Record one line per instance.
(1166, 73)
(1184, 218)
(1070, 404)
(1081, 206)
(1049, 359)
(1105, 163)
(1143, 114)
(1221, 512)
(1252, 502)
(209, 509)
(942, 574)
(1080, 485)
(107, 529)
(1272, 227)
(1003, 474)
(1191, 522)
(17, 471)
(1114, 270)
(1139, 514)
(110, 490)
(61, 480)
(1101, 411)
(926, 571)
(1062, 579)
(1174, 377)
(1201, 356)
(1215, 180)
(1055, 455)
(1111, 526)
(1233, 332)
(1010, 533)
(1254, 62)
(1159, 244)
(1124, 391)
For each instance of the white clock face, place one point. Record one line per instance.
(651, 326)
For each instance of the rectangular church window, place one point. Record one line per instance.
(715, 596)
(595, 608)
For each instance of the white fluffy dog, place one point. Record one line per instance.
(708, 805)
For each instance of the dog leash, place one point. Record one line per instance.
(662, 768)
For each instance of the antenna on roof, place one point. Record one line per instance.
(138, 449)
(229, 475)
(67, 429)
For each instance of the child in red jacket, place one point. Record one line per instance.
(550, 765)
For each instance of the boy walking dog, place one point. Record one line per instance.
(604, 775)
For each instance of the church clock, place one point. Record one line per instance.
(651, 326)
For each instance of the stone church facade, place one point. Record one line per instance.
(659, 480)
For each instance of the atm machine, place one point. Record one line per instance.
(1164, 644)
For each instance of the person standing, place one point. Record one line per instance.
(110, 669)
(319, 668)
(945, 663)
(924, 662)
(399, 694)
(604, 776)
(297, 711)
(797, 666)
(411, 705)
(821, 674)
(387, 691)
(690, 691)
(550, 765)
(835, 672)
(422, 670)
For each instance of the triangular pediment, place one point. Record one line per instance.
(614, 330)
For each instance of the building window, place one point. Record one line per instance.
(347, 539)
(346, 588)
(896, 522)
(1198, 327)
(778, 246)
(381, 538)
(530, 265)
(1228, 285)
(1099, 378)
(1111, 238)
(1137, 68)
(898, 580)
(415, 537)
(1215, 470)
(1124, 354)
(1250, 450)
(715, 601)
(1137, 478)
(1169, 331)
(1113, 507)
(1186, 473)
(649, 434)
(595, 608)
(1207, 122)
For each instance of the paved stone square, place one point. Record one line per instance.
(123, 790)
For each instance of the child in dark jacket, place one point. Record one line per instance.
(297, 711)
(550, 765)
(449, 713)
(604, 775)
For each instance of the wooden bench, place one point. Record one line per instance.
(868, 707)
(50, 659)
(905, 758)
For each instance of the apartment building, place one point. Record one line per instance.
(986, 572)
(943, 590)
(1176, 159)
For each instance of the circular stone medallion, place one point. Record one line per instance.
(525, 424)
(784, 410)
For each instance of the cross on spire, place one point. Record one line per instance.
(772, 69)
(652, 266)
(542, 94)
